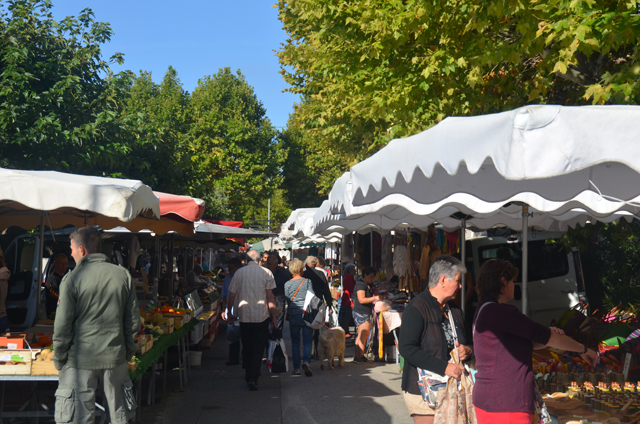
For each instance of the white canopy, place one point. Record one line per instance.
(552, 158)
(568, 164)
(223, 231)
(299, 224)
(408, 213)
(72, 199)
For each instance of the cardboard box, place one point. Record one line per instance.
(141, 343)
(43, 367)
(149, 344)
(17, 369)
(178, 319)
(13, 341)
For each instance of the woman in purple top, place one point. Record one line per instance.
(504, 340)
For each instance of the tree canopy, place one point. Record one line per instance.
(62, 108)
(57, 105)
(373, 70)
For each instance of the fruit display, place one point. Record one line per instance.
(45, 355)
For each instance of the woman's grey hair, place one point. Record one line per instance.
(445, 265)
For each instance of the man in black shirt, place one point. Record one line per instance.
(318, 280)
(281, 276)
(321, 289)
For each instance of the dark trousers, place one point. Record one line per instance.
(255, 336)
(234, 351)
(345, 318)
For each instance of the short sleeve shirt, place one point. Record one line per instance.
(250, 284)
(368, 292)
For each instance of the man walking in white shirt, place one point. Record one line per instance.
(253, 285)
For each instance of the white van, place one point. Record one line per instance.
(25, 290)
(555, 280)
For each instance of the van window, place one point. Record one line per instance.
(546, 260)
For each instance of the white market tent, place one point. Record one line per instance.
(56, 199)
(568, 163)
(70, 199)
(299, 224)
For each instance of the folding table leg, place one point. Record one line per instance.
(1, 399)
(164, 371)
(395, 336)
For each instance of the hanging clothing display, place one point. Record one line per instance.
(387, 255)
(452, 242)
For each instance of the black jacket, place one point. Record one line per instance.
(319, 284)
(422, 340)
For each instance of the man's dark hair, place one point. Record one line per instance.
(197, 269)
(59, 255)
(87, 237)
(275, 255)
(236, 262)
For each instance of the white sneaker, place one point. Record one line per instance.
(297, 372)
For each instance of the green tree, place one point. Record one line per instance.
(233, 148)
(280, 210)
(610, 261)
(156, 118)
(373, 70)
(58, 106)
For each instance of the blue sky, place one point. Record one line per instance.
(196, 38)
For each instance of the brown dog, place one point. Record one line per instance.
(331, 345)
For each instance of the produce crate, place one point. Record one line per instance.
(149, 344)
(42, 367)
(13, 341)
(20, 369)
(141, 344)
(178, 319)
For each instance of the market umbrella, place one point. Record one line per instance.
(177, 214)
(269, 244)
(70, 199)
(56, 199)
(553, 159)
(300, 222)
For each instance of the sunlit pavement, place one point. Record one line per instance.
(217, 393)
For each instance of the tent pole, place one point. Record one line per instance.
(170, 253)
(525, 258)
(40, 257)
(157, 255)
(371, 248)
(463, 226)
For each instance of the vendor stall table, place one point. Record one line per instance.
(146, 361)
(387, 322)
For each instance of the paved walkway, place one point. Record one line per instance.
(217, 393)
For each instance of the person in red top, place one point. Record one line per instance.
(348, 283)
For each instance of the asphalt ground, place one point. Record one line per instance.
(217, 393)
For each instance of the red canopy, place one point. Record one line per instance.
(180, 208)
(236, 224)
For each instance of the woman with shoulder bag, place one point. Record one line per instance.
(295, 291)
(427, 338)
(504, 340)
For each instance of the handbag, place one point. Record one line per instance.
(314, 309)
(542, 415)
(277, 360)
(455, 401)
(430, 383)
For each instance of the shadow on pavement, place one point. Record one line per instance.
(217, 393)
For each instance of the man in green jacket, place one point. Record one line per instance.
(93, 337)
